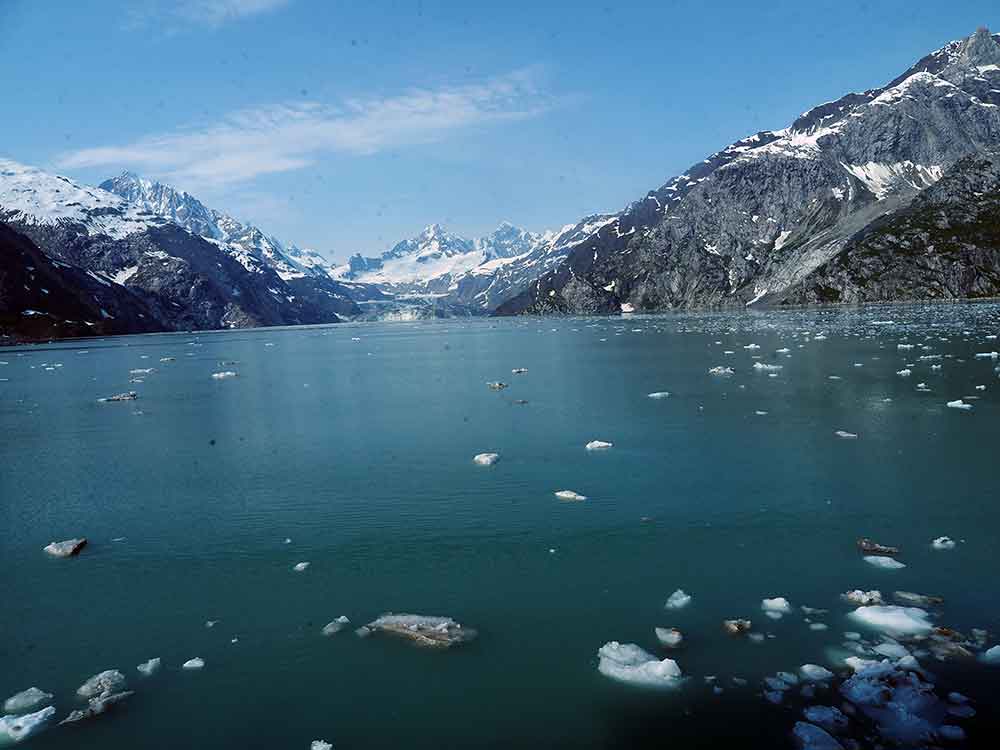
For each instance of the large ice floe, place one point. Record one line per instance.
(627, 662)
(894, 620)
(26, 700)
(886, 563)
(424, 630)
(19, 728)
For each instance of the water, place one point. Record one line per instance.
(361, 453)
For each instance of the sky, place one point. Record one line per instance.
(346, 127)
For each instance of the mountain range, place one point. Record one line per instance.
(888, 194)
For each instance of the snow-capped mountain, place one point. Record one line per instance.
(147, 264)
(753, 220)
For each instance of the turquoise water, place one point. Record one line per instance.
(360, 452)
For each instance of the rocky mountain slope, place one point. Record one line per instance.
(757, 218)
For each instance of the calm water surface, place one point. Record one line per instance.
(360, 452)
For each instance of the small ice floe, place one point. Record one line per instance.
(720, 370)
(886, 563)
(26, 700)
(894, 620)
(783, 350)
(424, 630)
(763, 367)
(224, 374)
(958, 404)
(570, 496)
(211, 623)
(67, 548)
(992, 655)
(658, 394)
(829, 718)
(19, 728)
(519, 371)
(677, 600)
(598, 445)
(168, 359)
(818, 626)
(862, 598)
(943, 542)
(811, 737)
(980, 387)
(891, 650)
(987, 355)
(846, 435)
(669, 637)
(127, 396)
(904, 373)
(142, 371)
(335, 626)
(299, 567)
(904, 346)
(320, 745)
(195, 663)
(776, 607)
(760, 413)
(626, 662)
(108, 681)
(868, 547)
(496, 386)
(815, 673)
(737, 626)
(751, 347)
(486, 459)
(149, 668)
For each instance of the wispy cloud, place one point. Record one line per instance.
(286, 137)
(200, 12)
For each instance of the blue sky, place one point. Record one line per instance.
(347, 126)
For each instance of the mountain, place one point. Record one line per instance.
(752, 222)
(184, 281)
(303, 271)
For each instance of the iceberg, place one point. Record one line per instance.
(815, 673)
(320, 745)
(893, 619)
(845, 434)
(658, 394)
(26, 700)
(149, 668)
(195, 663)
(570, 495)
(626, 662)
(66, 548)
(331, 628)
(423, 630)
(486, 459)
(811, 737)
(108, 681)
(778, 605)
(224, 375)
(887, 563)
(677, 600)
(598, 445)
(299, 567)
(19, 728)
(669, 637)
(959, 404)
(943, 542)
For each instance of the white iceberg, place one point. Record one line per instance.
(626, 662)
(669, 637)
(149, 668)
(66, 548)
(776, 607)
(195, 663)
(846, 435)
(893, 619)
(486, 459)
(26, 700)
(299, 567)
(762, 367)
(815, 673)
(904, 373)
(599, 445)
(320, 745)
(677, 600)
(992, 655)
(720, 370)
(570, 495)
(943, 542)
(224, 375)
(658, 394)
(108, 681)
(331, 628)
(887, 563)
(959, 404)
(863, 598)
(19, 728)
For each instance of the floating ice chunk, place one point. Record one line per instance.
(737, 626)
(846, 435)
(66, 548)
(943, 542)
(904, 373)
(904, 346)
(887, 563)
(486, 459)
(868, 547)
(659, 394)
(894, 620)
(783, 350)
(751, 346)
(811, 737)
(817, 626)
(763, 367)
(720, 370)
(598, 445)
(96, 706)
(224, 374)
(519, 371)
(669, 637)
(858, 664)
(26, 700)
(496, 386)
(778, 605)
(149, 668)
(320, 745)
(992, 655)
(829, 718)
(959, 404)
(336, 626)
(626, 662)
(423, 630)
(19, 728)
(987, 355)
(195, 663)
(570, 495)
(299, 567)
(677, 600)
(891, 650)
(815, 673)
(108, 681)
(128, 396)
(980, 387)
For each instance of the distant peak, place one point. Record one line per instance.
(981, 48)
